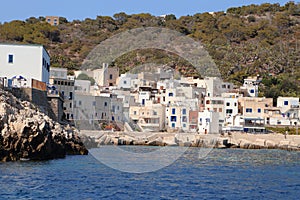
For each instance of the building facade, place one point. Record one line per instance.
(27, 61)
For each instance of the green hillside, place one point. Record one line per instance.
(250, 40)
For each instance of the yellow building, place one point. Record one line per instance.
(254, 106)
(53, 20)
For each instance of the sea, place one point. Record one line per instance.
(221, 174)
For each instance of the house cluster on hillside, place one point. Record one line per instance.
(157, 100)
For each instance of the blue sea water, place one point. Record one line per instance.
(223, 174)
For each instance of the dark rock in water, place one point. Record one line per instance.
(28, 134)
(156, 143)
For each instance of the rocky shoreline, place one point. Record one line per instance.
(28, 134)
(231, 140)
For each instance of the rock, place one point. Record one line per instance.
(27, 133)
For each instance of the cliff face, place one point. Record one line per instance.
(27, 133)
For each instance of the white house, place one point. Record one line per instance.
(28, 61)
(124, 81)
(286, 103)
(231, 108)
(208, 122)
(251, 86)
(82, 86)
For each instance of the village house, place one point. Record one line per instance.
(250, 86)
(149, 117)
(59, 81)
(208, 122)
(53, 20)
(20, 64)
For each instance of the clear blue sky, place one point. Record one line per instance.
(81, 9)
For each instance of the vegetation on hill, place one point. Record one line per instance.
(250, 40)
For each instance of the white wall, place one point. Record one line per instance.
(27, 62)
(208, 122)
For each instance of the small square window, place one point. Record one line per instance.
(173, 118)
(259, 110)
(10, 58)
(286, 103)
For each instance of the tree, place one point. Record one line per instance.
(83, 76)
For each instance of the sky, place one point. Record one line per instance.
(81, 9)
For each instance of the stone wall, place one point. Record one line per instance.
(50, 106)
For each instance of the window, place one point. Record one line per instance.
(173, 119)
(171, 94)
(207, 120)
(94, 103)
(229, 111)
(248, 110)
(55, 82)
(134, 112)
(70, 105)
(125, 82)
(71, 95)
(79, 103)
(105, 103)
(259, 110)
(110, 76)
(220, 110)
(48, 20)
(184, 111)
(173, 125)
(154, 113)
(184, 119)
(286, 103)
(184, 125)
(10, 58)
(143, 101)
(251, 91)
(173, 111)
(227, 104)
